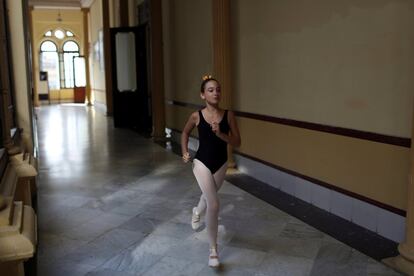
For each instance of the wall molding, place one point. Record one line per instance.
(359, 134)
(98, 90)
(327, 185)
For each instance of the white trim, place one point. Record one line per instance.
(359, 212)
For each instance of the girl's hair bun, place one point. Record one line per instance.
(207, 77)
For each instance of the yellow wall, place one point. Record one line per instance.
(187, 30)
(44, 20)
(347, 63)
(62, 95)
(97, 74)
(339, 63)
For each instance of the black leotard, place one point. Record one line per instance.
(212, 151)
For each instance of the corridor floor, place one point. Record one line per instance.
(111, 202)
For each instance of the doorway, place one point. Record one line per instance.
(131, 98)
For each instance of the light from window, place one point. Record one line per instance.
(70, 50)
(68, 63)
(70, 46)
(49, 61)
(59, 34)
(80, 74)
(48, 46)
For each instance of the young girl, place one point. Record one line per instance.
(216, 128)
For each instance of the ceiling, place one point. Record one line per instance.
(60, 3)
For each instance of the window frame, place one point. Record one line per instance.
(41, 58)
(72, 72)
(63, 68)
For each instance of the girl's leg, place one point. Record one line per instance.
(207, 185)
(202, 205)
(219, 176)
(218, 179)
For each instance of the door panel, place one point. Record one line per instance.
(79, 79)
(131, 101)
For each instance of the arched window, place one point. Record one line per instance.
(70, 50)
(49, 62)
(59, 63)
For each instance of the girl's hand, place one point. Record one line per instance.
(186, 157)
(215, 128)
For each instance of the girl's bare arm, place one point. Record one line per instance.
(191, 123)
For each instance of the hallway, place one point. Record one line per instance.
(111, 202)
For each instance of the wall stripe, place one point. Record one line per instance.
(327, 185)
(365, 135)
(98, 90)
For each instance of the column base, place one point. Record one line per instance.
(400, 264)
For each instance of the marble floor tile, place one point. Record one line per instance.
(158, 213)
(122, 206)
(378, 269)
(241, 257)
(228, 270)
(131, 261)
(190, 250)
(88, 231)
(337, 259)
(141, 224)
(155, 244)
(306, 248)
(253, 241)
(174, 267)
(109, 272)
(300, 230)
(224, 236)
(176, 230)
(184, 217)
(286, 266)
(127, 209)
(66, 268)
(55, 247)
(104, 247)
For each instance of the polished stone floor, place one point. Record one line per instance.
(111, 202)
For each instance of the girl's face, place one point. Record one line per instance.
(212, 92)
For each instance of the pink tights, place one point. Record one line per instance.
(209, 185)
